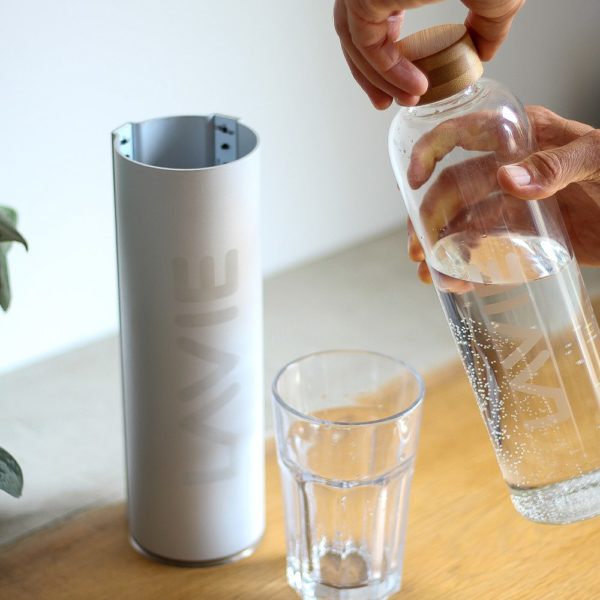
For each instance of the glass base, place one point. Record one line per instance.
(560, 503)
(309, 590)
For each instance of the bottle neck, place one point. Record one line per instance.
(456, 102)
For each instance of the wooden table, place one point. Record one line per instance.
(465, 541)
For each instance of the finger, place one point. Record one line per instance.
(489, 24)
(379, 98)
(423, 272)
(415, 250)
(456, 189)
(552, 130)
(444, 283)
(362, 71)
(546, 172)
(376, 80)
(395, 22)
(481, 131)
(374, 35)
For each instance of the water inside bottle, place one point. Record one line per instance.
(528, 339)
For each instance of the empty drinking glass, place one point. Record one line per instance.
(347, 425)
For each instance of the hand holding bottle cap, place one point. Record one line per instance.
(370, 29)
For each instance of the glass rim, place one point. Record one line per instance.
(412, 406)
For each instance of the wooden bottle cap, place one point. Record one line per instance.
(448, 58)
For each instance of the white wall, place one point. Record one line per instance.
(71, 71)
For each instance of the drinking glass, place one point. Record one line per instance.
(347, 425)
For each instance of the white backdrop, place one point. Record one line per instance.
(71, 71)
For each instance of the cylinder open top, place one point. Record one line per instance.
(185, 142)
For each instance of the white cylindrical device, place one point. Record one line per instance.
(190, 299)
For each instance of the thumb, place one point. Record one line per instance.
(544, 173)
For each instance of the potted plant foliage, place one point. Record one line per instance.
(11, 476)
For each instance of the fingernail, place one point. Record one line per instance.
(519, 175)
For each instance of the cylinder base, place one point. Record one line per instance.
(191, 563)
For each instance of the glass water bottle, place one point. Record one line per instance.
(506, 277)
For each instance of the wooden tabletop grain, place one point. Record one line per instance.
(465, 541)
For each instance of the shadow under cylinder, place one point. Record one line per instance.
(190, 299)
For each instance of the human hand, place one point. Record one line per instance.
(567, 165)
(369, 29)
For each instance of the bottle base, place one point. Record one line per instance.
(560, 503)
(193, 563)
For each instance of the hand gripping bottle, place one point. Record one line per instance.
(506, 276)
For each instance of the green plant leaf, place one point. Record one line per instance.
(8, 234)
(11, 476)
(4, 281)
(10, 214)
(8, 229)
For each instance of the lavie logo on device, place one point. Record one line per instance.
(208, 305)
(526, 340)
